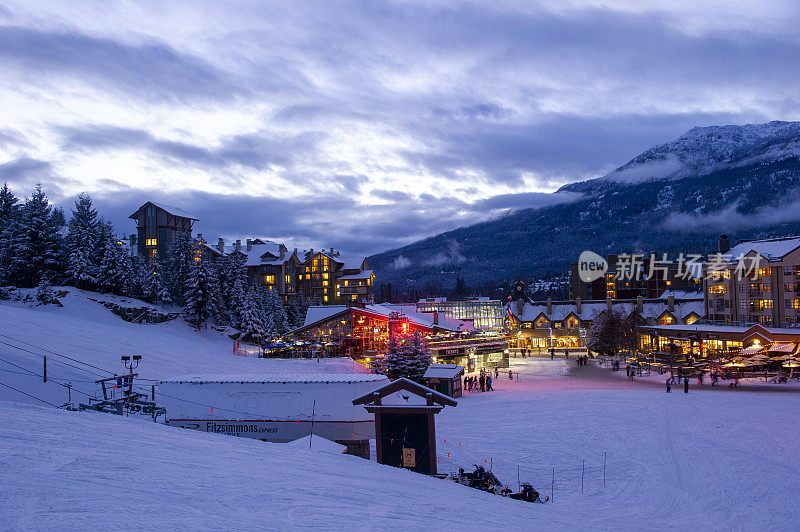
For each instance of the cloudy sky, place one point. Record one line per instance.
(368, 125)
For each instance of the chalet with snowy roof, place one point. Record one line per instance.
(360, 329)
(330, 278)
(158, 226)
(756, 281)
(268, 263)
(710, 341)
(544, 324)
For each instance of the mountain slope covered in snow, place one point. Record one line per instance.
(676, 197)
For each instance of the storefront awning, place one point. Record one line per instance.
(751, 350)
(782, 347)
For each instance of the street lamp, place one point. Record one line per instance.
(130, 364)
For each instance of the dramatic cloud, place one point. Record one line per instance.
(369, 125)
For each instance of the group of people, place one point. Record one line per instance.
(483, 382)
(583, 360)
(671, 380)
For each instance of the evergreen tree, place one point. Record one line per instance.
(251, 325)
(58, 218)
(181, 264)
(396, 360)
(36, 245)
(8, 206)
(81, 241)
(298, 308)
(200, 295)
(112, 273)
(44, 292)
(153, 285)
(236, 303)
(419, 357)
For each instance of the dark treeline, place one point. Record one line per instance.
(40, 247)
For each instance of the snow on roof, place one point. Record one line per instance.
(351, 263)
(257, 250)
(317, 313)
(418, 318)
(681, 294)
(364, 274)
(772, 248)
(443, 371)
(264, 378)
(589, 310)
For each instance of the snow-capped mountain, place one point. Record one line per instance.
(674, 197)
(703, 150)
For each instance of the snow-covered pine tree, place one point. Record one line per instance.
(419, 357)
(251, 325)
(236, 303)
(181, 264)
(278, 311)
(9, 215)
(396, 364)
(81, 240)
(298, 308)
(112, 271)
(44, 291)
(267, 313)
(200, 295)
(37, 246)
(8, 205)
(153, 285)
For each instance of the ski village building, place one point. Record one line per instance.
(564, 324)
(324, 276)
(768, 295)
(158, 227)
(363, 331)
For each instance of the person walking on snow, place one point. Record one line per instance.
(489, 383)
(510, 375)
(552, 354)
(482, 382)
(669, 385)
(686, 385)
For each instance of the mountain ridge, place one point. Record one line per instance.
(740, 180)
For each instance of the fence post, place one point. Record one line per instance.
(604, 469)
(583, 468)
(153, 393)
(553, 487)
(44, 369)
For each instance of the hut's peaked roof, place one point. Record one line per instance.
(408, 385)
(443, 371)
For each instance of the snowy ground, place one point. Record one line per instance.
(87, 331)
(711, 459)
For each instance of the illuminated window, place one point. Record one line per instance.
(151, 242)
(345, 283)
(326, 299)
(324, 275)
(764, 272)
(324, 283)
(288, 279)
(269, 279)
(691, 319)
(354, 297)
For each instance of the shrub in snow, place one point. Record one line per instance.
(44, 292)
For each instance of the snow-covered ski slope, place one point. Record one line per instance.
(92, 471)
(87, 331)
